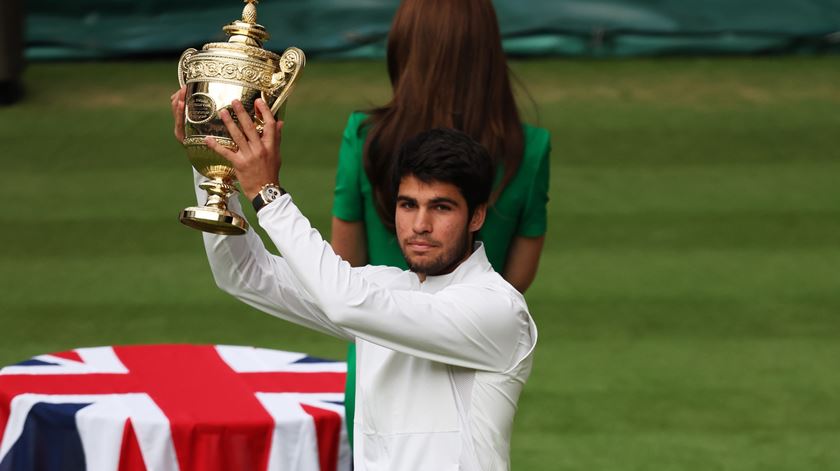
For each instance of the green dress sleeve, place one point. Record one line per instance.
(348, 204)
(533, 222)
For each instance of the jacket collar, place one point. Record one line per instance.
(477, 262)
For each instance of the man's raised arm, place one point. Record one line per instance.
(243, 267)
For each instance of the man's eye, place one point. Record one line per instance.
(406, 205)
(442, 207)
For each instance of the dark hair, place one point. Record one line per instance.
(447, 69)
(448, 156)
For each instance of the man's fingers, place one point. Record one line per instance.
(178, 115)
(179, 95)
(264, 112)
(177, 104)
(233, 130)
(269, 125)
(228, 154)
(246, 123)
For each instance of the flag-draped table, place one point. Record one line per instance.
(173, 407)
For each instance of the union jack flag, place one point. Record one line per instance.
(173, 407)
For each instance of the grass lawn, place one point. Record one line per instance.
(688, 298)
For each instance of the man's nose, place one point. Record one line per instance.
(422, 222)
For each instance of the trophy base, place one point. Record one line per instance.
(216, 221)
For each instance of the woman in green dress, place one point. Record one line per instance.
(447, 69)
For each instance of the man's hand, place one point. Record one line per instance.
(177, 99)
(258, 160)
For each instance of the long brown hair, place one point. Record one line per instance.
(447, 69)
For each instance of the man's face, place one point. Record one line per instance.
(434, 226)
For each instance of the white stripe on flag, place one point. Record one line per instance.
(257, 360)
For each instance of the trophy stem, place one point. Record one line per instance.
(214, 216)
(218, 191)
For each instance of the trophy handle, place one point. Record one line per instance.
(283, 81)
(182, 66)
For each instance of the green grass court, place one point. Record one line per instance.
(688, 299)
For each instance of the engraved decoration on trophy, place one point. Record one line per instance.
(239, 69)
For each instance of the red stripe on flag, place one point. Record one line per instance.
(69, 355)
(295, 382)
(328, 429)
(131, 458)
(105, 383)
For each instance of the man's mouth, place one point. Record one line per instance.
(421, 244)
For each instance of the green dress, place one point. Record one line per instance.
(519, 211)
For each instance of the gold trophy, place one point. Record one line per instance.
(220, 73)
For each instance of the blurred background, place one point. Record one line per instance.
(688, 298)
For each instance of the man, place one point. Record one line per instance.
(443, 349)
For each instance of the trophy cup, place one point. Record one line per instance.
(220, 73)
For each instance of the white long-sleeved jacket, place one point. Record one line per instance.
(440, 364)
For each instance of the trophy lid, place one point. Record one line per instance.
(247, 31)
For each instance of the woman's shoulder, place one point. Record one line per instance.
(537, 140)
(354, 132)
(537, 147)
(356, 119)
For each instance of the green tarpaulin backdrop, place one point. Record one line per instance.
(357, 28)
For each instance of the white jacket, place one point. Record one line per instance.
(440, 364)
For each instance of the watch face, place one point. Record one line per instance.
(270, 193)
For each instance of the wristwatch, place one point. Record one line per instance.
(268, 193)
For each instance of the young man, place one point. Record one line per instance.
(443, 349)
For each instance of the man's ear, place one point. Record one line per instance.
(477, 219)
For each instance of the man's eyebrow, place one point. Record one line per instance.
(406, 198)
(443, 199)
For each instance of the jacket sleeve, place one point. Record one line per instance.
(479, 326)
(243, 267)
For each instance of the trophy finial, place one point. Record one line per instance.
(246, 30)
(249, 13)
